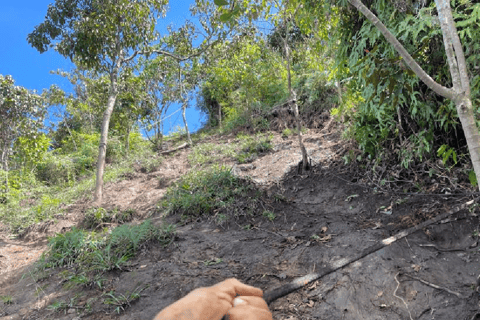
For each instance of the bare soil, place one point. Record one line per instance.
(321, 216)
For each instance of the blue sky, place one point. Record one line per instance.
(31, 70)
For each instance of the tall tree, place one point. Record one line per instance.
(103, 36)
(460, 93)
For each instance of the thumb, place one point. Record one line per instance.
(238, 301)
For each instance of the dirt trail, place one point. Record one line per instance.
(320, 217)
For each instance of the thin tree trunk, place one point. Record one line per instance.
(293, 97)
(102, 149)
(184, 108)
(460, 94)
(183, 96)
(127, 141)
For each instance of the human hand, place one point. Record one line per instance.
(249, 308)
(210, 303)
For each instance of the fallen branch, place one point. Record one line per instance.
(274, 294)
(183, 146)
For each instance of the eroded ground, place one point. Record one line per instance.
(321, 217)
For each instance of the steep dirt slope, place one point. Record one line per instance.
(321, 216)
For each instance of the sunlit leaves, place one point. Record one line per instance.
(21, 114)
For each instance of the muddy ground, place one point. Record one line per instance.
(321, 217)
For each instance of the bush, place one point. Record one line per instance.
(92, 253)
(97, 217)
(56, 170)
(203, 192)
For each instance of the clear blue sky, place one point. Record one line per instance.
(31, 70)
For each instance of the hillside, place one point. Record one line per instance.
(276, 225)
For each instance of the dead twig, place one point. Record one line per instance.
(398, 297)
(459, 295)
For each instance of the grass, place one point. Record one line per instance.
(99, 217)
(253, 146)
(208, 153)
(90, 254)
(212, 191)
(121, 301)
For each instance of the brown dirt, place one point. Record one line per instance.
(342, 216)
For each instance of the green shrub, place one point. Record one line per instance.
(56, 170)
(252, 146)
(202, 192)
(97, 217)
(92, 253)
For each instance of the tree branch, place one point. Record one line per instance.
(411, 63)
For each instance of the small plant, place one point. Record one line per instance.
(269, 215)
(98, 217)
(7, 299)
(63, 305)
(287, 133)
(221, 218)
(150, 164)
(213, 262)
(253, 146)
(122, 301)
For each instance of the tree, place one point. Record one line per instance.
(21, 115)
(460, 93)
(103, 36)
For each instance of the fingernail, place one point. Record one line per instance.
(237, 301)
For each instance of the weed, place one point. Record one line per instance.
(287, 133)
(269, 215)
(206, 153)
(213, 262)
(203, 192)
(58, 306)
(251, 147)
(7, 299)
(98, 217)
(122, 301)
(92, 253)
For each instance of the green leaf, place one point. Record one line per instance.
(226, 16)
(220, 2)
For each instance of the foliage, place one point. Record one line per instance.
(122, 301)
(92, 253)
(91, 32)
(98, 217)
(205, 192)
(396, 111)
(21, 117)
(252, 146)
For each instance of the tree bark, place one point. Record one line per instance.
(102, 149)
(293, 97)
(460, 94)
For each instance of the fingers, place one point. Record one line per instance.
(256, 302)
(235, 288)
(249, 307)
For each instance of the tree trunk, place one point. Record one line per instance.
(293, 97)
(184, 108)
(127, 141)
(460, 94)
(102, 149)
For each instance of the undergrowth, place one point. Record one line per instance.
(89, 254)
(32, 201)
(214, 191)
